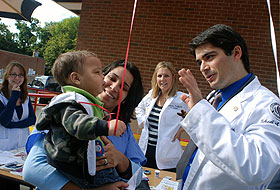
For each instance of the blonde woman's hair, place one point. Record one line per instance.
(156, 90)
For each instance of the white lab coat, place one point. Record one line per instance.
(238, 147)
(168, 153)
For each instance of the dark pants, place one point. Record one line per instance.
(151, 159)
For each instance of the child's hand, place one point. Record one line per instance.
(120, 128)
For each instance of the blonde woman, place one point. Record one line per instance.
(157, 115)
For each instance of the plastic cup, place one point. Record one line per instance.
(157, 173)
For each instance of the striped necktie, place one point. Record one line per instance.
(217, 100)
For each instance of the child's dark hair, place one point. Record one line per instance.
(69, 62)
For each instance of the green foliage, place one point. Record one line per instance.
(7, 39)
(50, 41)
(27, 36)
(63, 38)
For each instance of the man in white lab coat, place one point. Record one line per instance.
(238, 143)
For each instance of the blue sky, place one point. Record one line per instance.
(47, 12)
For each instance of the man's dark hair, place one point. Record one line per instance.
(224, 37)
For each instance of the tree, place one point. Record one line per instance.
(27, 36)
(7, 39)
(43, 35)
(63, 38)
(51, 40)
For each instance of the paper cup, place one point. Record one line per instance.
(157, 173)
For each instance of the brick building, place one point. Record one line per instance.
(163, 28)
(36, 64)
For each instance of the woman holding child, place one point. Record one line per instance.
(121, 153)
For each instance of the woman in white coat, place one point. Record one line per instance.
(157, 115)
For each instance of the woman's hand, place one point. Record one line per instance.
(183, 113)
(178, 134)
(16, 87)
(114, 158)
(141, 126)
(109, 159)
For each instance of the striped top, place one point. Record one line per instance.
(153, 125)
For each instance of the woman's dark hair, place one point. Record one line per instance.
(224, 37)
(135, 94)
(5, 83)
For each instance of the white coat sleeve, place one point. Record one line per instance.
(250, 155)
(140, 110)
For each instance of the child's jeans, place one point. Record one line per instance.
(109, 175)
